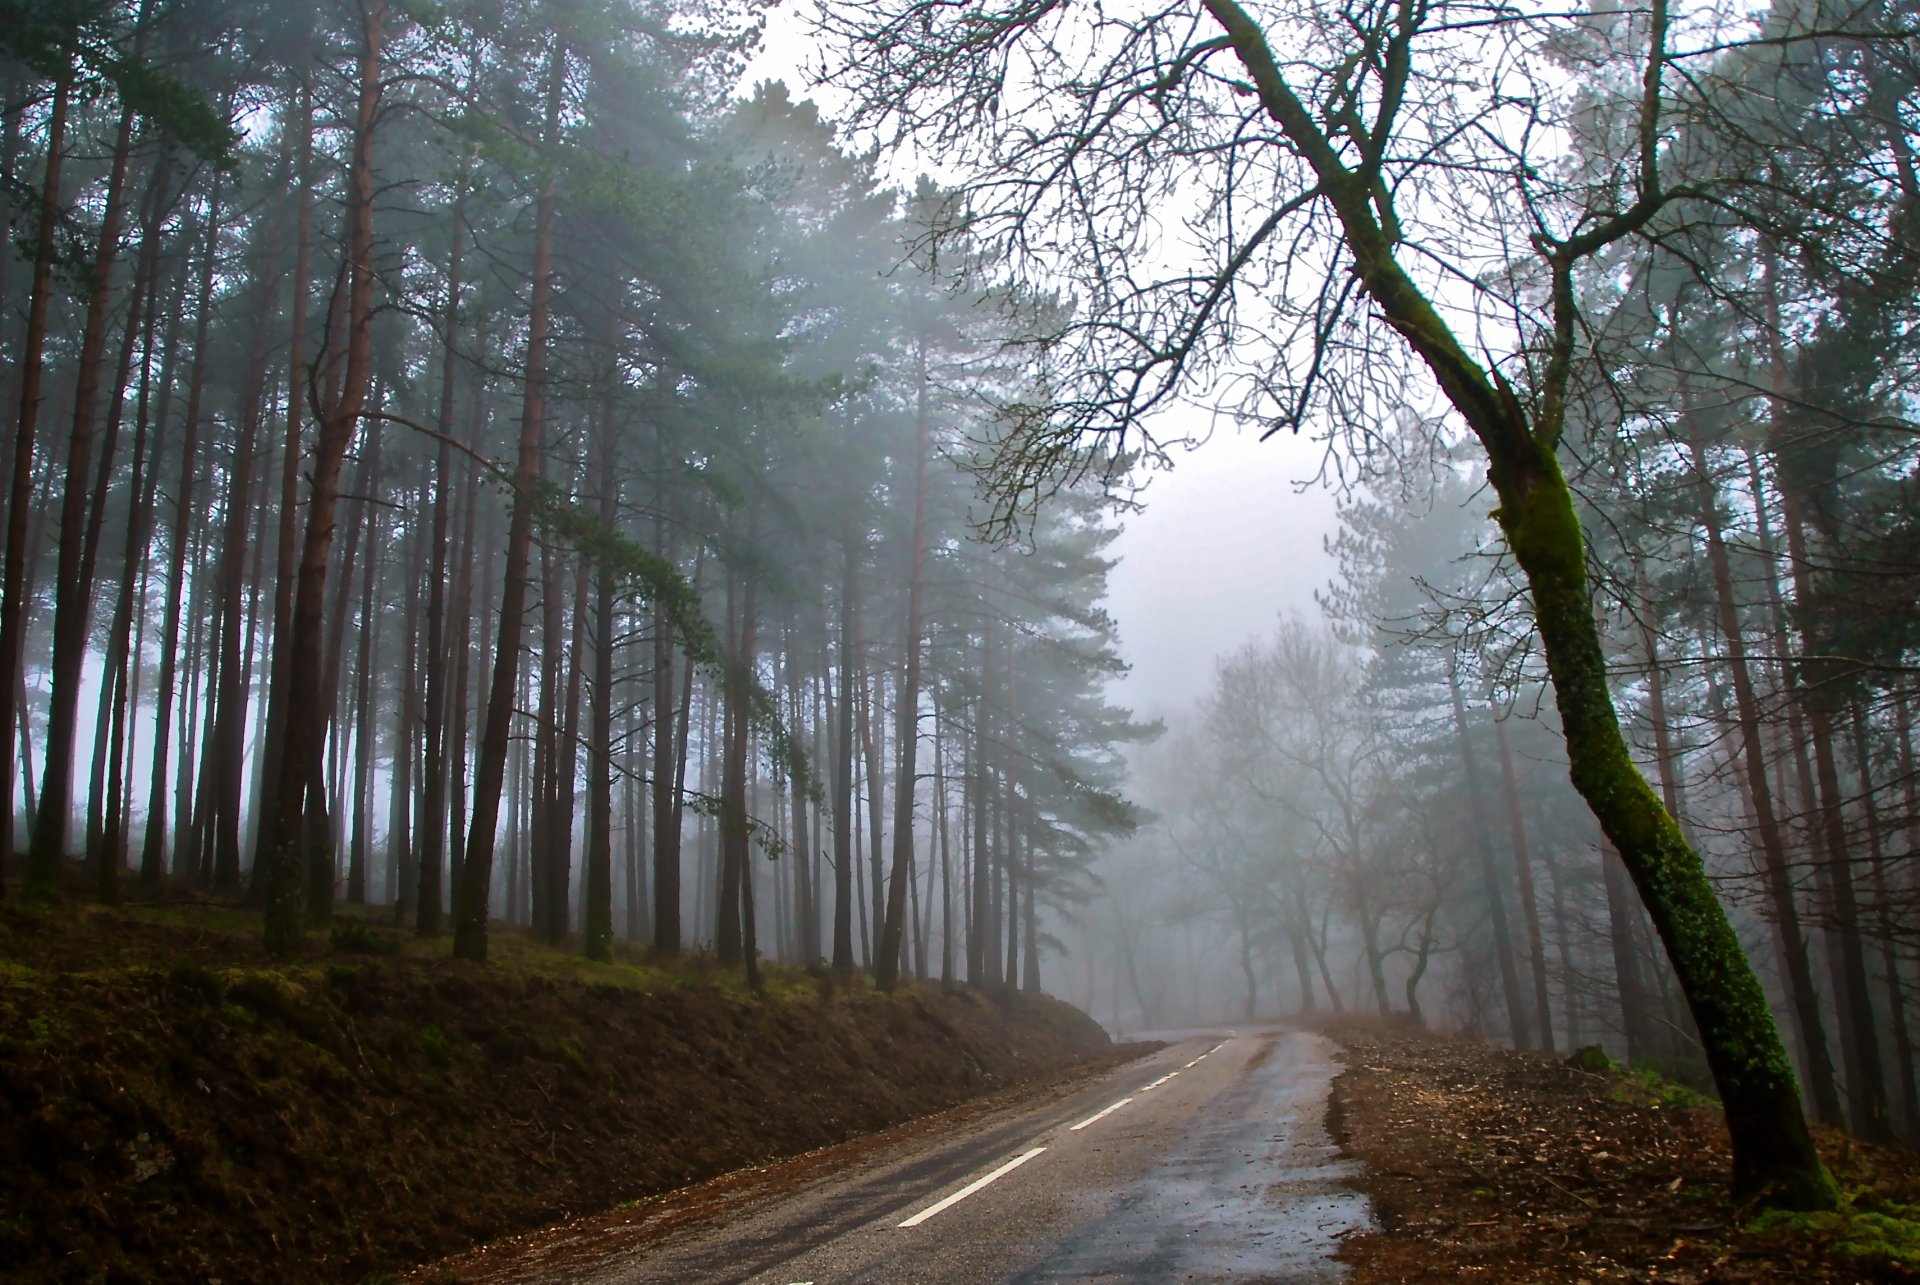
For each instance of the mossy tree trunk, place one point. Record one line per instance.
(1774, 1159)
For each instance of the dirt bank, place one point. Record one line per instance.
(1494, 1165)
(178, 1109)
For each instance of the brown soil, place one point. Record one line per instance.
(1488, 1164)
(174, 1108)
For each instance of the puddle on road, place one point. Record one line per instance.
(1255, 1192)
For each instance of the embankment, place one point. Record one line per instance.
(173, 1107)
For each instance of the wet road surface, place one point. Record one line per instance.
(1208, 1161)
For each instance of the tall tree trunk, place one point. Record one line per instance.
(306, 717)
(873, 755)
(735, 841)
(227, 748)
(843, 802)
(402, 877)
(360, 846)
(567, 759)
(105, 841)
(983, 954)
(1636, 1014)
(462, 659)
(597, 923)
(432, 845)
(1816, 1064)
(806, 937)
(907, 700)
(1666, 762)
(1883, 929)
(470, 930)
(1859, 1040)
(668, 748)
(1529, 901)
(638, 927)
(321, 859)
(1489, 870)
(73, 590)
(153, 848)
(945, 852)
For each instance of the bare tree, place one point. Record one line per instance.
(1356, 183)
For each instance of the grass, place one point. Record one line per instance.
(371, 934)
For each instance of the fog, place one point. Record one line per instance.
(479, 471)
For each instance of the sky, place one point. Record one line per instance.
(1227, 543)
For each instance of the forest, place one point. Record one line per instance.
(487, 477)
(486, 468)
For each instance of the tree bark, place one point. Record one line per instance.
(843, 804)
(227, 746)
(429, 907)
(13, 596)
(106, 800)
(597, 923)
(1489, 870)
(1805, 997)
(730, 945)
(907, 700)
(1859, 1041)
(287, 558)
(402, 877)
(1529, 901)
(1774, 1159)
(470, 930)
(306, 718)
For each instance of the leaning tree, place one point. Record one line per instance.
(1263, 206)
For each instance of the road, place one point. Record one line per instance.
(1207, 1161)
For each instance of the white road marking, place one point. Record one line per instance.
(1099, 1114)
(971, 1187)
(1162, 1080)
(1203, 1056)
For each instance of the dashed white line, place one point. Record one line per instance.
(1097, 1115)
(1203, 1057)
(1162, 1080)
(970, 1188)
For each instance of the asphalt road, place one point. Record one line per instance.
(1208, 1161)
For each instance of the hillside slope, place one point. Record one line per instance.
(182, 1110)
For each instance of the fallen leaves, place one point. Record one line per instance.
(1486, 1163)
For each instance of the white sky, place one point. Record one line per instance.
(1227, 543)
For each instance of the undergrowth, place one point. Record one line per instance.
(1880, 1238)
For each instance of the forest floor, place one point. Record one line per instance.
(1483, 1163)
(174, 1106)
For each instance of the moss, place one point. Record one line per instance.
(1644, 1086)
(1592, 1059)
(358, 939)
(433, 1043)
(1874, 1241)
(195, 980)
(1775, 1160)
(344, 976)
(46, 1031)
